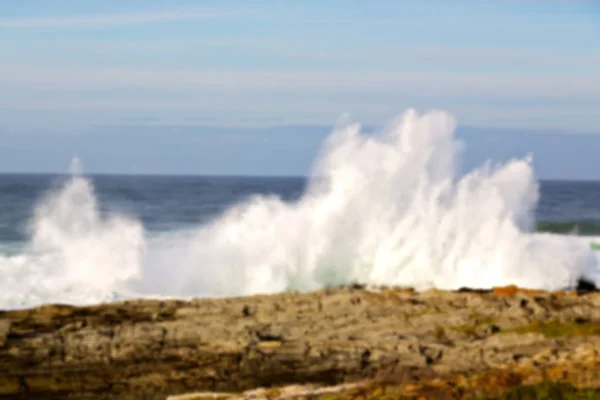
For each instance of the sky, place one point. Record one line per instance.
(98, 78)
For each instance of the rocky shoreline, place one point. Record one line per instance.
(330, 341)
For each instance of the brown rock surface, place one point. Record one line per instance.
(149, 349)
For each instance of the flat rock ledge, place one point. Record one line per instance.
(301, 345)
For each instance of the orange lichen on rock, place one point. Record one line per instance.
(512, 290)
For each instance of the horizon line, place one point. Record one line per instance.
(231, 176)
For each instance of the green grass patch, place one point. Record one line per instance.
(553, 329)
(541, 391)
(547, 391)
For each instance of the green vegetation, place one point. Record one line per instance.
(547, 391)
(542, 391)
(553, 329)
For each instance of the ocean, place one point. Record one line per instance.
(166, 203)
(387, 209)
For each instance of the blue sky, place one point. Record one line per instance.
(83, 68)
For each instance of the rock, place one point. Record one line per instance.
(151, 349)
(4, 331)
(585, 286)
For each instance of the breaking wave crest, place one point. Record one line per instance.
(74, 254)
(379, 209)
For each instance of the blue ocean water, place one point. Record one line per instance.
(161, 203)
(164, 203)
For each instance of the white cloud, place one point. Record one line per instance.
(108, 19)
